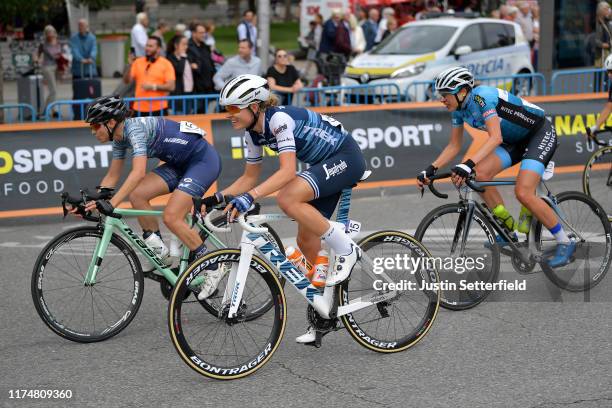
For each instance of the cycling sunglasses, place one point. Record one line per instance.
(233, 109)
(95, 126)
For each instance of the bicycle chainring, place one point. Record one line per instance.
(320, 323)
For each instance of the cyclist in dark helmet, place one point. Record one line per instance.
(191, 165)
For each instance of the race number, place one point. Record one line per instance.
(332, 122)
(188, 127)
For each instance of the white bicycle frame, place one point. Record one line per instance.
(254, 239)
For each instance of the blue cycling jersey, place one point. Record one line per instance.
(312, 136)
(170, 141)
(519, 119)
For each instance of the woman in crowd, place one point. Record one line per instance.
(358, 42)
(177, 55)
(392, 27)
(283, 78)
(49, 52)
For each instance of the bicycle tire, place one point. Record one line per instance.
(591, 190)
(211, 303)
(180, 312)
(562, 276)
(449, 298)
(42, 269)
(363, 331)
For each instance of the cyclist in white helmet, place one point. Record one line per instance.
(607, 110)
(310, 197)
(518, 132)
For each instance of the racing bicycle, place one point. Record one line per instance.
(597, 174)
(88, 282)
(468, 229)
(377, 314)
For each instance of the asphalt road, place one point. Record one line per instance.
(542, 348)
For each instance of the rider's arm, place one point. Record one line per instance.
(247, 181)
(494, 140)
(603, 116)
(139, 169)
(452, 149)
(280, 178)
(113, 174)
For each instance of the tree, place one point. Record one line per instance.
(27, 11)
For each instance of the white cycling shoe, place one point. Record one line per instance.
(161, 250)
(343, 266)
(212, 279)
(308, 337)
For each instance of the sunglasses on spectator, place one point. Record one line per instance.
(233, 109)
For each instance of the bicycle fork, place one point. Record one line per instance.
(96, 259)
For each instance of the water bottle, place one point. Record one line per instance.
(321, 266)
(297, 258)
(524, 222)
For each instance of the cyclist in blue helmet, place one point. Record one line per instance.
(518, 132)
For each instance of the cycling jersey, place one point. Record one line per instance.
(519, 119)
(312, 136)
(191, 164)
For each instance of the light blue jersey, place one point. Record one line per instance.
(519, 119)
(312, 136)
(139, 134)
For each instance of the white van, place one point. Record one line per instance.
(420, 50)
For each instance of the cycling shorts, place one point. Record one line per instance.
(196, 176)
(534, 153)
(330, 176)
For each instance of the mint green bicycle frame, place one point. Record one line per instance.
(112, 224)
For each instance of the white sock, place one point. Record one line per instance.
(337, 239)
(559, 234)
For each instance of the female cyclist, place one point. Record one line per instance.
(518, 132)
(309, 197)
(191, 166)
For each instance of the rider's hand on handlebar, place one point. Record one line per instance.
(423, 177)
(462, 171)
(90, 206)
(240, 204)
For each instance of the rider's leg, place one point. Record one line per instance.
(178, 206)
(525, 190)
(488, 168)
(309, 243)
(151, 186)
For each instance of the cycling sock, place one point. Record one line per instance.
(201, 250)
(147, 233)
(559, 234)
(337, 239)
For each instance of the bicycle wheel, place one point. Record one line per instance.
(597, 178)
(398, 323)
(232, 240)
(86, 313)
(437, 231)
(586, 221)
(220, 348)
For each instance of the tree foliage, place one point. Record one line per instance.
(27, 11)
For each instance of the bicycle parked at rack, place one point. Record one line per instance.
(467, 229)
(87, 283)
(234, 343)
(597, 174)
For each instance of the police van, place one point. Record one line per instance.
(420, 50)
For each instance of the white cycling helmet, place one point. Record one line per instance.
(451, 80)
(244, 90)
(608, 63)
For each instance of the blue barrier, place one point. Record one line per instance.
(579, 81)
(420, 91)
(8, 111)
(177, 105)
(518, 84)
(343, 95)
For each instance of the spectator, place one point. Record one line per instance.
(370, 28)
(49, 52)
(496, 14)
(209, 38)
(311, 42)
(201, 62)
(139, 34)
(154, 77)
(602, 33)
(362, 16)
(247, 31)
(513, 13)
(162, 28)
(84, 52)
(328, 37)
(430, 7)
(343, 37)
(283, 78)
(392, 27)
(382, 26)
(180, 29)
(243, 63)
(358, 42)
(525, 19)
(177, 55)
(535, 11)
(504, 10)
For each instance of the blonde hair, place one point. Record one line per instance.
(353, 21)
(272, 101)
(49, 29)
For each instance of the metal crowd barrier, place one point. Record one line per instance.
(343, 95)
(9, 111)
(579, 81)
(177, 105)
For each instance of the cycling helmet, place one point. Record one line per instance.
(608, 63)
(453, 79)
(244, 90)
(105, 108)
